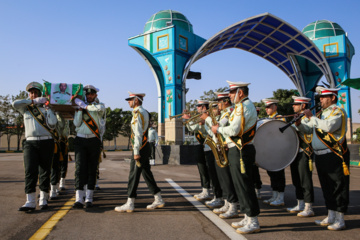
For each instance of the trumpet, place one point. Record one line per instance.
(192, 118)
(180, 115)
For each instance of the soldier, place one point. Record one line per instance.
(55, 168)
(87, 145)
(139, 164)
(64, 131)
(153, 141)
(277, 179)
(39, 123)
(239, 138)
(257, 178)
(301, 167)
(332, 156)
(229, 209)
(206, 161)
(62, 96)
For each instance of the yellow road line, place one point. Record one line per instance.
(45, 229)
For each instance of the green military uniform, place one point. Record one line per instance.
(330, 155)
(140, 144)
(87, 145)
(223, 173)
(238, 137)
(38, 147)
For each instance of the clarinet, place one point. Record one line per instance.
(282, 129)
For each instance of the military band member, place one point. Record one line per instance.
(87, 146)
(139, 164)
(64, 131)
(277, 179)
(229, 209)
(206, 161)
(257, 178)
(331, 155)
(301, 167)
(239, 138)
(153, 141)
(39, 145)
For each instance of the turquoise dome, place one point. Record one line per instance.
(167, 18)
(322, 29)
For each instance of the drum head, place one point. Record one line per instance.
(275, 150)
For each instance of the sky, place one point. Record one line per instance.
(86, 41)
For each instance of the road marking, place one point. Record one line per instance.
(45, 229)
(221, 224)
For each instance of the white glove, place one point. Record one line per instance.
(40, 100)
(80, 103)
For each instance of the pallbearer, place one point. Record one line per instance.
(229, 209)
(277, 179)
(301, 167)
(39, 123)
(87, 145)
(139, 164)
(64, 133)
(239, 137)
(332, 156)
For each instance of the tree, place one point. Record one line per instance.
(7, 115)
(284, 106)
(19, 128)
(208, 95)
(114, 122)
(126, 126)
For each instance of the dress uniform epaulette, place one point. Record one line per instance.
(56, 92)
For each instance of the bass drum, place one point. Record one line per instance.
(275, 150)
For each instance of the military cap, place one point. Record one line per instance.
(269, 101)
(91, 88)
(221, 95)
(329, 91)
(134, 95)
(202, 102)
(35, 85)
(300, 100)
(234, 85)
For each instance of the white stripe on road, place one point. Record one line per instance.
(221, 224)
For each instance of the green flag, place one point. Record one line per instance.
(352, 82)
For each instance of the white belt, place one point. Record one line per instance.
(85, 135)
(322, 152)
(38, 138)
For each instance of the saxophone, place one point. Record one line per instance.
(218, 147)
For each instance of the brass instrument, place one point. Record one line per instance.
(192, 118)
(218, 148)
(180, 115)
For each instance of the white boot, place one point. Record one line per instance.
(298, 208)
(330, 219)
(62, 183)
(279, 201)
(79, 199)
(158, 203)
(89, 198)
(274, 196)
(204, 195)
(30, 203)
(252, 226)
(258, 193)
(53, 193)
(339, 223)
(215, 203)
(223, 209)
(241, 223)
(127, 207)
(232, 212)
(44, 196)
(308, 211)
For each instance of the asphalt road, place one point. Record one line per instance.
(179, 219)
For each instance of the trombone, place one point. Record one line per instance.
(180, 115)
(192, 118)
